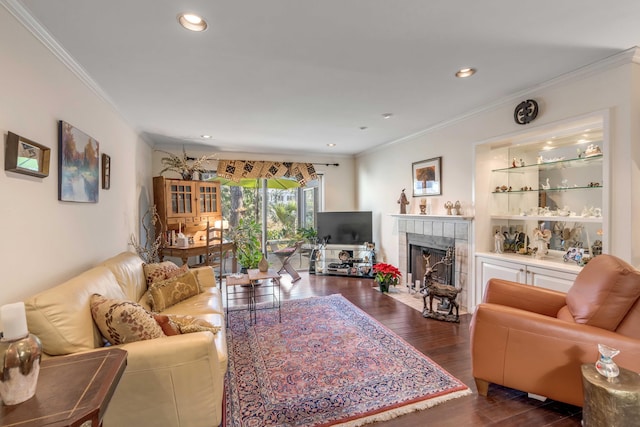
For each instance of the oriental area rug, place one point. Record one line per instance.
(327, 363)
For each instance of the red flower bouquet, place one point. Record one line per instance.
(386, 275)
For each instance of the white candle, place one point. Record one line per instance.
(14, 321)
(409, 282)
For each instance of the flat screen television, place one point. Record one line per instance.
(345, 228)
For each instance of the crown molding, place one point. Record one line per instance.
(30, 23)
(631, 55)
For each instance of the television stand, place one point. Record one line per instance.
(343, 260)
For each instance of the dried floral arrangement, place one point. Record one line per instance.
(151, 252)
(184, 165)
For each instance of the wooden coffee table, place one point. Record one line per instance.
(72, 391)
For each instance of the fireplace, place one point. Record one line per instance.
(435, 234)
(431, 250)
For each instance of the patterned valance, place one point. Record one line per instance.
(235, 170)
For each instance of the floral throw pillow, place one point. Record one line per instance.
(166, 293)
(161, 271)
(121, 321)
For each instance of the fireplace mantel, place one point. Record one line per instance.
(428, 217)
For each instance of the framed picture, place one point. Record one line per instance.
(26, 157)
(78, 158)
(426, 177)
(106, 172)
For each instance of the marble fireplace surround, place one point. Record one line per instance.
(458, 228)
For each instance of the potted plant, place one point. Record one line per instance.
(246, 236)
(386, 275)
(184, 165)
(308, 234)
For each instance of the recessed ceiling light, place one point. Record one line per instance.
(192, 22)
(206, 136)
(387, 115)
(331, 144)
(465, 72)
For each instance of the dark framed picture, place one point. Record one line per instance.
(426, 177)
(106, 172)
(78, 165)
(25, 156)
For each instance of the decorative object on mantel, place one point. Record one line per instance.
(20, 352)
(78, 155)
(184, 165)
(150, 252)
(426, 177)
(423, 206)
(403, 202)
(26, 157)
(236, 170)
(386, 275)
(458, 208)
(448, 206)
(525, 112)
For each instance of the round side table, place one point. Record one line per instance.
(612, 403)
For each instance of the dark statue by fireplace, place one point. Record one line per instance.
(437, 284)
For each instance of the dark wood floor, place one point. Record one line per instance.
(448, 345)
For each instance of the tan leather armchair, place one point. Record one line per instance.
(535, 340)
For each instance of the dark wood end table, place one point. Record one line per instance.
(72, 391)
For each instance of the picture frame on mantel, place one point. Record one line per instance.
(106, 171)
(78, 165)
(427, 177)
(26, 157)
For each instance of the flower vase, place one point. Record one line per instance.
(263, 265)
(384, 287)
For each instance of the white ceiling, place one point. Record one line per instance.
(286, 76)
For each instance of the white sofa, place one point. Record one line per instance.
(169, 381)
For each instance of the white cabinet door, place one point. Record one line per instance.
(490, 268)
(550, 279)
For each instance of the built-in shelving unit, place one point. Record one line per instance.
(553, 180)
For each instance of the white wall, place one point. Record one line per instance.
(383, 173)
(45, 241)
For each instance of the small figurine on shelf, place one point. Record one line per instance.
(498, 242)
(403, 202)
(458, 208)
(546, 185)
(448, 206)
(521, 163)
(541, 238)
(592, 150)
(514, 163)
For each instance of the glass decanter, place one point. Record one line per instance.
(605, 364)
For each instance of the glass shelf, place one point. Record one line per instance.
(551, 218)
(558, 164)
(598, 187)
